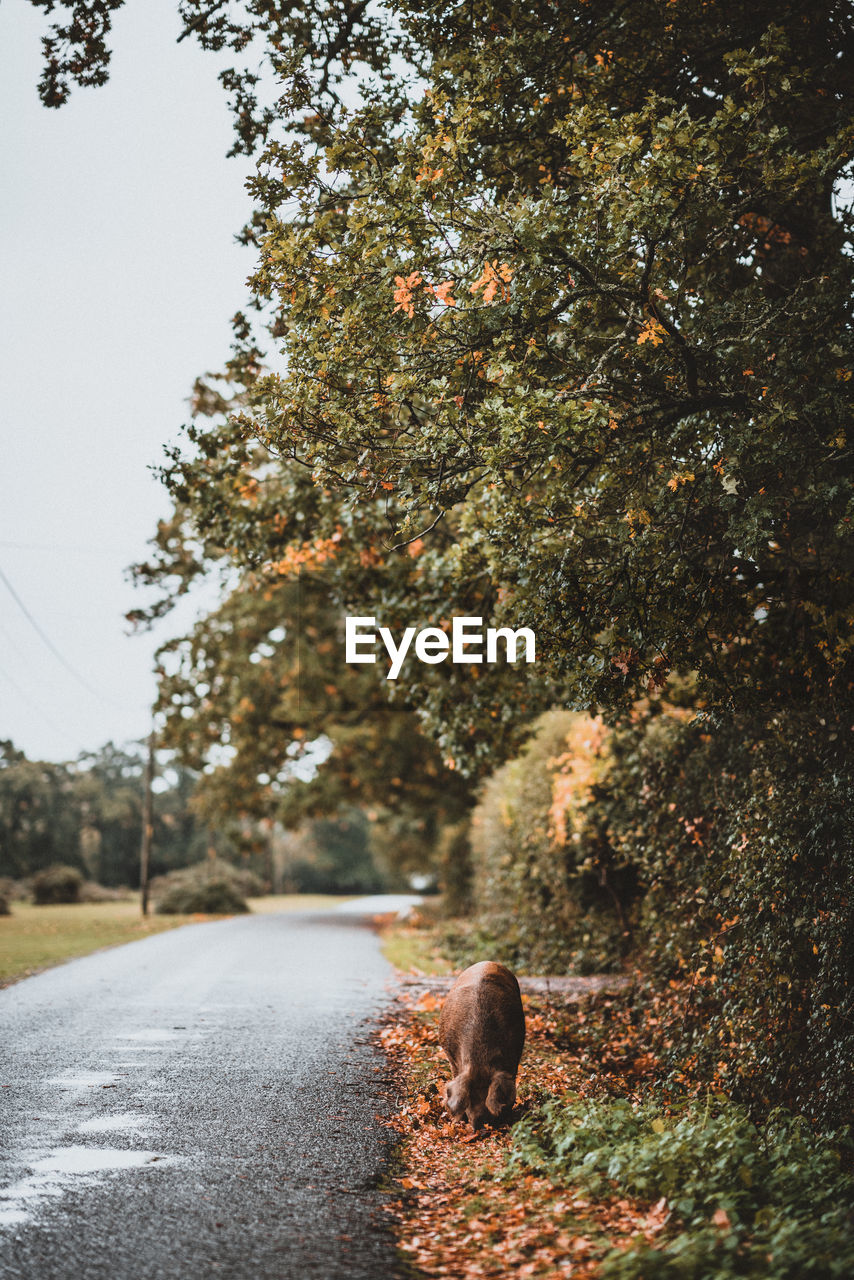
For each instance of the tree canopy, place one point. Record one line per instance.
(596, 308)
(551, 323)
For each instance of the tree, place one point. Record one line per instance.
(39, 822)
(564, 299)
(258, 700)
(87, 814)
(575, 322)
(574, 300)
(331, 38)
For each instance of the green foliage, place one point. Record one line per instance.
(39, 821)
(583, 347)
(213, 887)
(743, 836)
(307, 735)
(333, 855)
(89, 814)
(454, 859)
(541, 321)
(770, 1201)
(212, 895)
(545, 882)
(721, 856)
(57, 883)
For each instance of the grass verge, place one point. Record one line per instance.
(409, 946)
(34, 938)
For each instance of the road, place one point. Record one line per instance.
(202, 1103)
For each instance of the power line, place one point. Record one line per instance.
(47, 641)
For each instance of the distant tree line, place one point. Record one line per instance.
(87, 814)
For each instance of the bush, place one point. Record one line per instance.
(723, 853)
(7, 893)
(455, 869)
(212, 887)
(57, 883)
(210, 896)
(744, 836)
(769, 1200)
(545, 884)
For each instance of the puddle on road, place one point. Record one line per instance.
(126, 1122)
(149, 1033)
(65, 1169)
(84, 1079)
(72, 1160)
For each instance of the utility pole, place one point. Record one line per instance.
(147, 826)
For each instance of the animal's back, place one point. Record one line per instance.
(482, 1023)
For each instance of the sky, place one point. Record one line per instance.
(119, 276)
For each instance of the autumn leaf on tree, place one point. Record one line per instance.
(652, 332)
(492, 278)
(404, 293)
(443, 292)
(681, 477)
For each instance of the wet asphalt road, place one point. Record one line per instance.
(199, 1104)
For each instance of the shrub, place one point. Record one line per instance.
(545, 882)
(769, 1200)
(57, 883)
(212, 887)
(211, 896)
(455, 868)
(7, 893)
(246, 882)
(744, 834)
(724, 853)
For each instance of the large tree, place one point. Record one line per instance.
(561, 300)
(592, 295)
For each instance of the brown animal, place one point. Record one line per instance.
(482, 1030)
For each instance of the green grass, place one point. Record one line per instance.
(34, 938)
(411, 947)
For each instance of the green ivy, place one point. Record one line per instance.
(770, 1200)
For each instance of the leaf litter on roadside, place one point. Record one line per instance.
(462, 1213)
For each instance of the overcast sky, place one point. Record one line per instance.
(120, 274)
